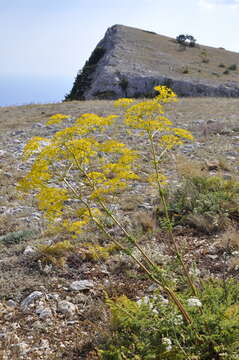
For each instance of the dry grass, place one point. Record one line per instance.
(188, 168)
(19, 117)
(187, 110)
(230, 239)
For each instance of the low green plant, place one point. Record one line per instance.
(17, 236)
(153, 329)
(206, 200)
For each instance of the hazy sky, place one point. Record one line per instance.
(47, 41)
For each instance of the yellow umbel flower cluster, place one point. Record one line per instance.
(57, 119)
(74, 166)
(148, 116)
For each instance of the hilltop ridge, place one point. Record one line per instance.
(129, 62)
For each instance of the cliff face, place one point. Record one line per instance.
(129, 62)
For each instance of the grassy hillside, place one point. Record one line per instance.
(162, 54)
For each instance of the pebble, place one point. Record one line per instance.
(29, 251)
(3, 153)
(11, 303)
(44, 313)
(30, 299)
(67, 308)
(81, 285)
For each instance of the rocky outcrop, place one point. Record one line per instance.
(129, 62)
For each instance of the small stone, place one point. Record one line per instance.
(163, 300)
(29, 251)
(45, 313)
(231, 158)
(40, 325)
(11, 303)
(47, 268)
(152, 287)
(29, 299)
(3, 153)
(67, 308)
(213, 257)
(21, 348)
(81, 285)
(44, 344)
(53, 296)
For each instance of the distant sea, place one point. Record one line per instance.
(22, 90)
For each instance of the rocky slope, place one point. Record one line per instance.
(49, 312)
(129, 62)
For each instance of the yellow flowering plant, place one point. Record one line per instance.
(75, 175)
(149, 117)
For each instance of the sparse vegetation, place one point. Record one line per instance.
(76, 178)
(206, 202)
(17, 236)
(204, 57)
(112, 271)
(185, 70)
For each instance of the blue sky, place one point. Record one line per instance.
(45, 42)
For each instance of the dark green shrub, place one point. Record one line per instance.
(232, 67)
(124, 83)
(222, 65)
(187, 40)
(185, 70)
(84, 77)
